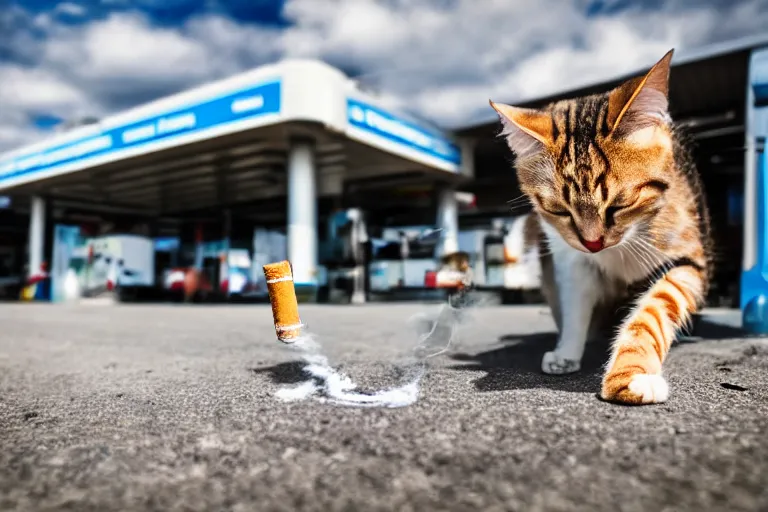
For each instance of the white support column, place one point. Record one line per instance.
(302, 213)
(448, 221)
(358, 238)
(749, 255)
(36, 235)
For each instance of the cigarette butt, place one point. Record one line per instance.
(282, 297)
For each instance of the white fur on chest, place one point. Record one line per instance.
(627, 262)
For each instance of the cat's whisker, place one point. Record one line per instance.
(637, 257)
(647, 258)
(640, 246)
(655, 253)
(518, 208)
(642, 258)
(644, 240)
(520, 198)
(655, 272)
(663, 258)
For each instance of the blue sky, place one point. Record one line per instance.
(440, 59)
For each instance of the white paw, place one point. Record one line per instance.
(652, 389)
(554, 363)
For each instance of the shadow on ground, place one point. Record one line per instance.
(291, 372)
(708, 329)
(517, 364)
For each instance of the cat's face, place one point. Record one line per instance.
(594, 167)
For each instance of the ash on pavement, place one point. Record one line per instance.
(169, 407)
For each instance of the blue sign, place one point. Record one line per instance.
(384, 124)
(236, 106)
(167, 244)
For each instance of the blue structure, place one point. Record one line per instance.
(754, 279)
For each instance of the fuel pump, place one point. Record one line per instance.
(345, 254)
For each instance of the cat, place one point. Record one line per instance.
(456, 261)
(622, 220)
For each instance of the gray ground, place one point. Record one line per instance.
(172, 408)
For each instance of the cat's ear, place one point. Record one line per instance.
(527, 131)
(641, 101)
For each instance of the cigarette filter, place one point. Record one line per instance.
(282, 296)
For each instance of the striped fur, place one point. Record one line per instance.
(623, 227)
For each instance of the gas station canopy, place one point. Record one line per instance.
(228, 143)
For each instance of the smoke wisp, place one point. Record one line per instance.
(435, 335)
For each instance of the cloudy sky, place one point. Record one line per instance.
(441, 59)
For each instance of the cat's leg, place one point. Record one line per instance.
(579, 288)
(549, 289)
(633, 373)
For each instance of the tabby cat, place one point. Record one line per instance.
(457, 261)
(622, 219)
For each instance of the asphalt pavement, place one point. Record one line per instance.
(173, 407)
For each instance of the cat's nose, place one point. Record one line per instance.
(594, 245)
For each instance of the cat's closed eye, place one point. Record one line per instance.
(553, 209)
(559, 213)
(611, 211)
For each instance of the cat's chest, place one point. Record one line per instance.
(622, 264)
(626, 264)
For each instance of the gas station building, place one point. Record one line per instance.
(282, 145)
(287, 146)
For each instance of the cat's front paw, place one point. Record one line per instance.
(635, 389)
(555, 363)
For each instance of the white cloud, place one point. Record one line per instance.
(441, 59)
(30, 92)
(35, 89)
(123, 47)
(231, 46)
(15, 129)
(114, 63)
(446, 64)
